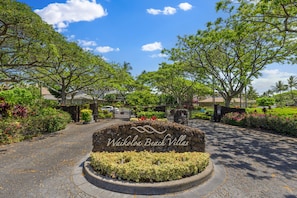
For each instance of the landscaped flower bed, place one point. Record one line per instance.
(148, 166)
(286, 125)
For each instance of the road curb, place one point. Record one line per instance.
(146, 188)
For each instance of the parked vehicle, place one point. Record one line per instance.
(110, 109)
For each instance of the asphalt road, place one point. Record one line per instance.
(42, 167)
(255, 164)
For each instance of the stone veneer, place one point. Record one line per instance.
(152, 136)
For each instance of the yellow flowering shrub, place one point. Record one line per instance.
(149, 166)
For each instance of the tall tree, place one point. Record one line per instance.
(171, 79)
(230, 52)
(25, 40)
(279, 88)
(71, 70)
(278, 16)
(292, 83)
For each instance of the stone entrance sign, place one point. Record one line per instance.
(152, 136)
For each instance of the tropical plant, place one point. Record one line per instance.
(292, 83)
(279, 88)
(86, 115)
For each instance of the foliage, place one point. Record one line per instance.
(142, 98)
(110, 97)
(104, 114)
(265, 101)
(277, 124)
(19, 128)
(147, 166)
(202, 113)
(151, 114)
(20, 96)
(23, 46)
(51, 120)
(86, 115)
(282, 112)
(11, 131)
(286, 98)
(173, 80)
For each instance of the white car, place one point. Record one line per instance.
(110, 109)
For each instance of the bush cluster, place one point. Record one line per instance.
(24, 114)
(86, 115)
(148, 166)
(202, 113)
(46, 121)
(104, 114)
(278, 124)
(151, 114)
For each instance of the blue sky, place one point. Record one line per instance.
(135, 31)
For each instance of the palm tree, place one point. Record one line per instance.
(278, 88)
(292, 83)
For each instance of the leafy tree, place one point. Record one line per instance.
(279, 88)
(268, 93)
(252, 93)
(25, 40)
(142, 98)
(18, 96)
(229, 52)
(292, 83)
(279, 15)
(172, 79)
(278, 18)
(265, 101)
(71, 70)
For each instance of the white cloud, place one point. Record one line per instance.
(166, 11)
(86, 43)
(269, 78)
(160, 55)
(106, 49)
(169, 10)
(152, 46)
(185, 6)
(61, 14)
(154, 11)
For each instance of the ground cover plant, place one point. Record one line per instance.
(149, 166)
(277, 120)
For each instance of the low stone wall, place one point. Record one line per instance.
(152, 136)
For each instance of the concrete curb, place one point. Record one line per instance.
(146, 188)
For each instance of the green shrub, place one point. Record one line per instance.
(265, 101)
(278, 124)
(48, 120)
(104, 114)
(147, 166)
(86, 115)
(202, 116)
(11, 131)
(150, 114)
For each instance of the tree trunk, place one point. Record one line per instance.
(227, 101)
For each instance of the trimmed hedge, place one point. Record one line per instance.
(149, 166)
(277, 124)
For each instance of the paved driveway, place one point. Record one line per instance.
(255, 164)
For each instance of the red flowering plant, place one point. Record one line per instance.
(142, 118)
(154, 117)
